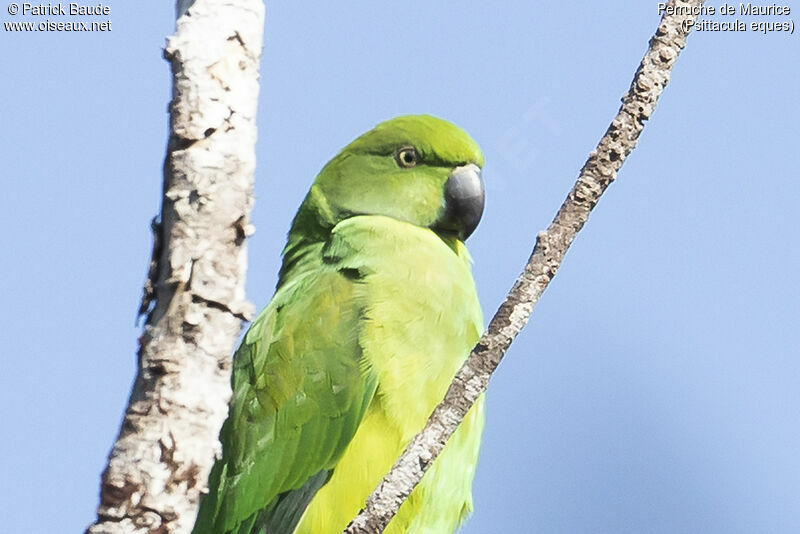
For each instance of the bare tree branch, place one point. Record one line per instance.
(551, 245)
(168, 440)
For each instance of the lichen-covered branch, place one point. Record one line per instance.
(551, 245)
(194, 297)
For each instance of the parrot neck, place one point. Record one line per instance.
(310, 229)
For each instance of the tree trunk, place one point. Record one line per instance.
(194, 298)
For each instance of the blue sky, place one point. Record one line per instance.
(656, 388)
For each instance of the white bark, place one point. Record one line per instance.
(551, 245)
(159, 465)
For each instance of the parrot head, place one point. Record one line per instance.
(415, 168)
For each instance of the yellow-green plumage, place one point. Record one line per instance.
(375, 311)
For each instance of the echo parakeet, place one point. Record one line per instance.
(374, 311)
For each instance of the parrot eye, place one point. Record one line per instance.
(407, 157)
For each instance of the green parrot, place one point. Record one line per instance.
(374, 312)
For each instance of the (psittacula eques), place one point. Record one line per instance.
(374, 312)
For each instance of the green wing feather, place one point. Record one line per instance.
(300, 390)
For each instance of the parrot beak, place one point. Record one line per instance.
(463, 202)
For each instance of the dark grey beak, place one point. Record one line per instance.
(463, 202)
